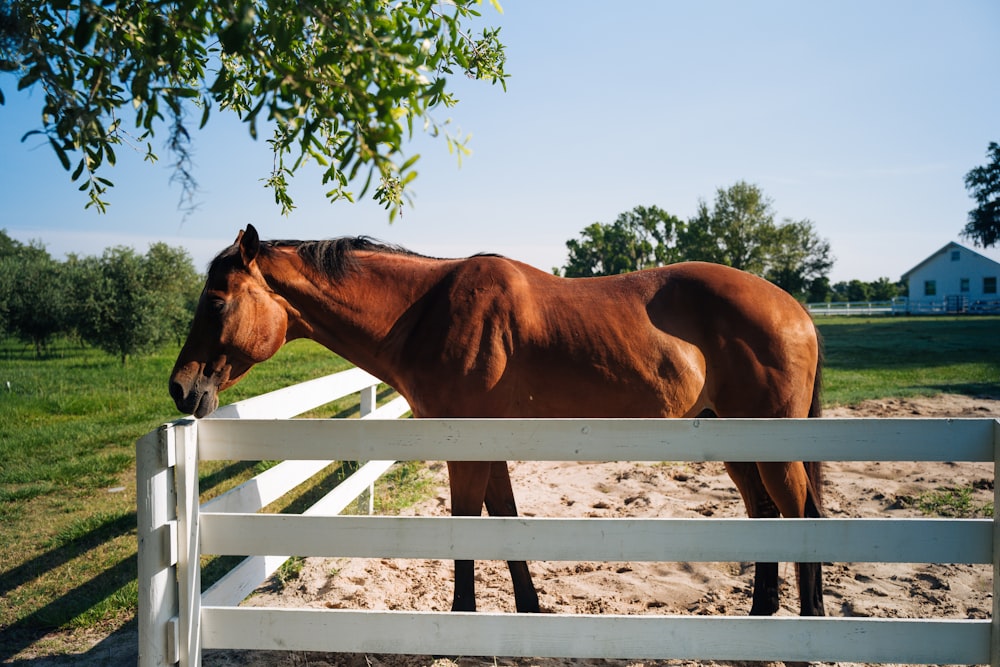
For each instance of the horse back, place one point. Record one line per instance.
(670, 341)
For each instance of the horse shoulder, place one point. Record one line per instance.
(487, 305)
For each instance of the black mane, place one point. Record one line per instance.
(335, 257)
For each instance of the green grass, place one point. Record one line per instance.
(950, 501)
(68, 426)
(69, 422)
(909, 356)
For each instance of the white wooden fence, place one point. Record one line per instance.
(892, 307)
(176, 623)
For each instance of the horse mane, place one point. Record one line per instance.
(336, 257)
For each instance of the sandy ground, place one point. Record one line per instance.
(637, 490)
(679, 490)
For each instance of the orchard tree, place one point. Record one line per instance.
(132, 303)
(170, 273)
(637, 239)
(983, 183)
(33, 294)
(342, 83)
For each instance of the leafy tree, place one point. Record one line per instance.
(738, 230)
(171, 275)
(33, 294)
(637, 239)
(798, 258)
(342, 83)
(819, 290)
(884, 289)
(983, 227)
(132, 303)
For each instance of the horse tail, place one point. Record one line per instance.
(814, 469)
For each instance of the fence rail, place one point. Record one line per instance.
(204, 621)
(893, 307)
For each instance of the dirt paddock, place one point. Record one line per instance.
(679, 490)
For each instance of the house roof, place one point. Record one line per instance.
(947, 247)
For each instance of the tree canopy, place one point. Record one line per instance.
(122, 302)
(983, 183)
(637, 239)
(343, 83)
(737, 230)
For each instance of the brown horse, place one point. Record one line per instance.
(490, 337)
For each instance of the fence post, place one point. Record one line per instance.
(156, 520)
(995, 631)
(369, 401)
(188, 544)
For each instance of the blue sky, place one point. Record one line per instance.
(861, 116)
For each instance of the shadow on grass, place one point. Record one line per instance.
(31, 628)
(121, 647)
(889, 344)
(60, 612)
(989, 390)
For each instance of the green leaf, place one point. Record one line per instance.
(234, 37)
(84, 30)
(61, 153)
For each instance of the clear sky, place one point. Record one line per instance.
(861, 116)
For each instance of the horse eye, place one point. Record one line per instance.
(217, 305)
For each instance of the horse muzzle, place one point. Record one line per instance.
(199, 397)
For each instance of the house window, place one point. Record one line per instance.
(990, 285)
(930, 287)
(963, 285)
(956, 255)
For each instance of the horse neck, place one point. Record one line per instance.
(361, 316)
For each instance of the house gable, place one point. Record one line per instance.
(954, 271)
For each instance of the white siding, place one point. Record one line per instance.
(948, 275)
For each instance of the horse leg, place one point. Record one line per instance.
(789, 486)
(500, 502)
(759, 506)
(468, 481)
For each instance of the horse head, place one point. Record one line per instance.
(238, 322)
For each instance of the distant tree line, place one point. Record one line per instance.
(123, 302)
(738, 230)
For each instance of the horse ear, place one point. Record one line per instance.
(249, 244)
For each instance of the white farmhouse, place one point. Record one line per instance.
(955, 280)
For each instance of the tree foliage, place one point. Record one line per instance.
(737, 230)
(133, 303)
(798, 258)
(343, 83)
(983, 183)
(33, 294)
(637, 239)
(122, 302)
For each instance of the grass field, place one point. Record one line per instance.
(68, 424)
(875, 357)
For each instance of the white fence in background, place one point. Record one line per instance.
(902, 306)
(176, 623)
(893, 307)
